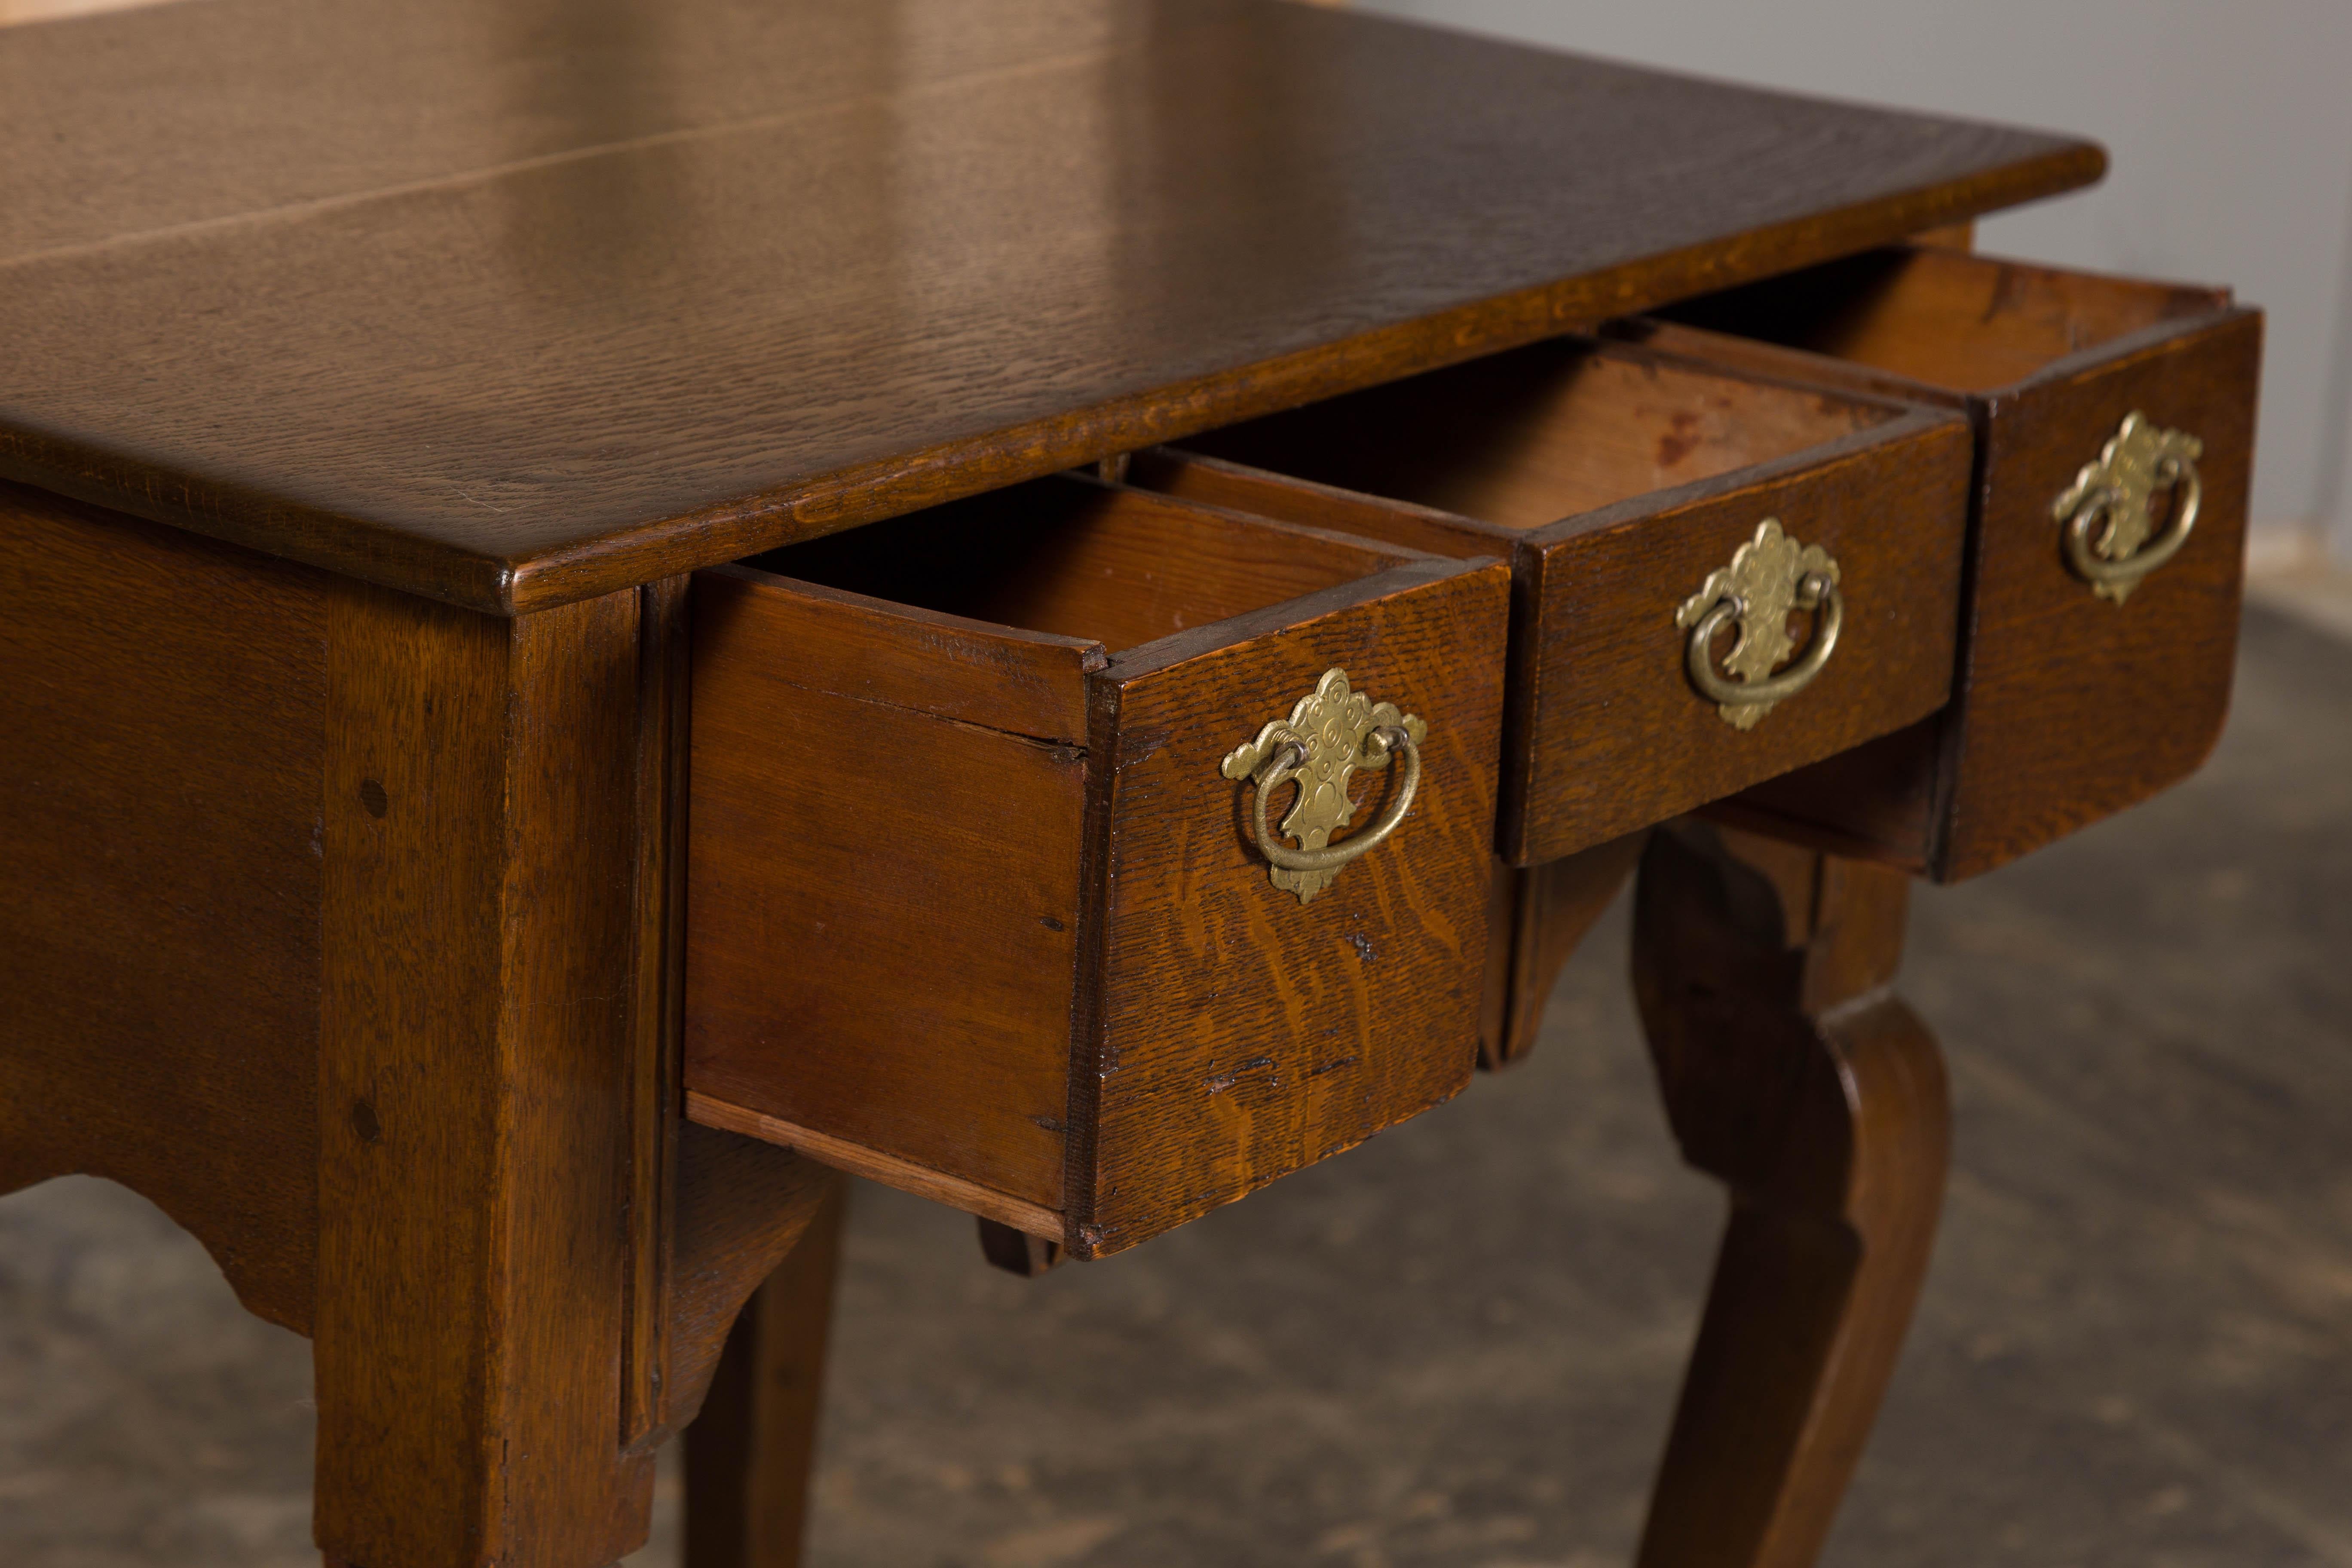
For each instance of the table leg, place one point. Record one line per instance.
(480, 840)
(1791, 1071)
(749, 1453)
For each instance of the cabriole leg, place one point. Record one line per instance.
(1791, 1071)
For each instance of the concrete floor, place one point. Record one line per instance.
(1460, 1344)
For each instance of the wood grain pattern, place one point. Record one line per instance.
(1955, 323)
(1521, 440)
(1613, 738)
(708, 1214)
(2067, 707)
(2072, 715)
(743, 1206)
(657, 1004)
(161, 742)
(474, 1070)
(1542, 912)
(749, 1454)
(848, 852)
(1194, 473)
(886, 901)
(1026, 682)
(859, 1160)
(1790, 1072)
(1619, 481)
(1072, 558)
(1235, 1034)
(660, 287)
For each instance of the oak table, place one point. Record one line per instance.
(560, 684)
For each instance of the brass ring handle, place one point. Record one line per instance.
(1332, 733)
(2081, 549)
(1814, 592)
(2105, 510)
(1768, 576)
(1283, 765)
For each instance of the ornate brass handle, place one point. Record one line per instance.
(2116, 492)
(1285, 766)
(1332, 733)
(1768, 576)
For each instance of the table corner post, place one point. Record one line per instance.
(481, 882)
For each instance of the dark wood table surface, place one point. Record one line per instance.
(513, 305)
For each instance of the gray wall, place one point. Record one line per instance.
(2229, 125)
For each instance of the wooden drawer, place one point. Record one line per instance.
(2072, 702)
(1620, 481)
(973, 907)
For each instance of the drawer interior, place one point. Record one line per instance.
(1072, 558)
(1947, 318)
(1527, 439)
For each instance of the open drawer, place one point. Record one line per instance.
(1719, 577)
(980, 899)
(2115, 420)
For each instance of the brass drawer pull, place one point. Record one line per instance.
(2117, 490)
(1768, 576)
(1331, 733)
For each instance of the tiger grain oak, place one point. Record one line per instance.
(354, 464)
(1617, 481)
(2067, 707)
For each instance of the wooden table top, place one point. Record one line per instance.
(514, 302)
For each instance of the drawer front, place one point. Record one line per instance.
(1613, 733)
(1239, 1032)
(1625, 484)
(2082, 690)
(2076, 706)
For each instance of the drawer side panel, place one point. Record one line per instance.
(882, 915)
